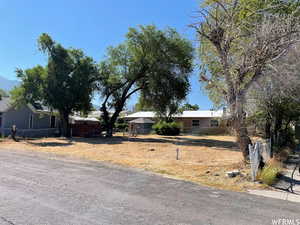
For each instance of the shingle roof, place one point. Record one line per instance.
(185, 114)
(4, 104)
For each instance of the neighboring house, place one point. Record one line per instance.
(140, 126)
(85, 127)
(30, 120)
(192, 121)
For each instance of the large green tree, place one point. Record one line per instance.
(65, 84)
(189, 107)
(156, 63)
(143, 105)
(237, 41)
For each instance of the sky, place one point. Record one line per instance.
(91, 25)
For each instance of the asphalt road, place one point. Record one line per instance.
(40, 189)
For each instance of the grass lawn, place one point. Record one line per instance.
(202, 159)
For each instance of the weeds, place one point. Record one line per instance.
(270, 172)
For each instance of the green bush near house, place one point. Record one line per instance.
(121, 124)
(165, 128)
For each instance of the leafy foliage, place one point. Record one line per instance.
(31, 88)
(69, 78)
(167, 128)
(143, 105)
(147, 61)
(238, 39)
(247, 13)
(121, 124)
(189, 107)
(273, 101)
(65, 84)
(269, 174)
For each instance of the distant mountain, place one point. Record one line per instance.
(7, 85)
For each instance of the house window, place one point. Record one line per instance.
(195, 123)
(214, 123)
(52, 122)
(30, 121)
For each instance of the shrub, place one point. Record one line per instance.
(269, 173)
(164, 128)
(121, 126)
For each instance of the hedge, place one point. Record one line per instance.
(164, 128)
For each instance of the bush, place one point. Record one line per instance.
(269, 173)
(121, 125)
(164, 128)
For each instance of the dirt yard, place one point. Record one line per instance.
(202, 159)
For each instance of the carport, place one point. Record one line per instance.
(140, 126)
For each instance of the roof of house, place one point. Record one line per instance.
(4, 104)
(98, 113)
(185, 114)
(83, 119)
(142, 120)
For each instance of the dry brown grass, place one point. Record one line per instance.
(202, 159)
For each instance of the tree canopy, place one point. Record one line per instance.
(273, 103)
(248, 13)
(65, 84)
(237, 41)
(155, 63)
(189, 107)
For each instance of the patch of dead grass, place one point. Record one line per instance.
(202, 159)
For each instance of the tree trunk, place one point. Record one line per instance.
(268, 126)
(109, 129)
(110, 121)
(240, 126)
(66, 130)
(243, 138)
(277, 128)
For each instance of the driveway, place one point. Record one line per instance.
(42, 189)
